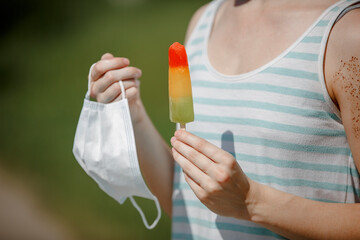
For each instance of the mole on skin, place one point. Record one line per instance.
(349, 76)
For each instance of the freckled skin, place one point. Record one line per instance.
(348, 76)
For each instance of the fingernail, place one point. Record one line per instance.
(172, 140)
(178, 133)
(126, 61)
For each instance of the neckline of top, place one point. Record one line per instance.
(236, 77)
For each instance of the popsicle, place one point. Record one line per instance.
(180, 94)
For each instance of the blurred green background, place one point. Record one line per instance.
(47, 48)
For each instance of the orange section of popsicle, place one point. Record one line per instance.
(180, 94)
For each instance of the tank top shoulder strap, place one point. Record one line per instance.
(330, 17)
(348, 9)
(315, 41)
(198, 38)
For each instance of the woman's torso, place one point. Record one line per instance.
(277, 119)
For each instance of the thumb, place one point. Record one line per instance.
(106, 56)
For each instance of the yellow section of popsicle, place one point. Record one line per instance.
(180, 95)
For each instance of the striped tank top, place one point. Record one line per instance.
(279, 123)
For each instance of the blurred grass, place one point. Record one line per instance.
(44, 78)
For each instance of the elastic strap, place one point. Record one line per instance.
(87, 95)
(143, 215)
(122, 90)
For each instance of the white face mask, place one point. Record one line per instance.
(105, 148)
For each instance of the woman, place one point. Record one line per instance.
(275, 146)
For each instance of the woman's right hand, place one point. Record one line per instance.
(104, 87)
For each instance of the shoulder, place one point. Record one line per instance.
(343, 47)
(342, 69)
(345, 35)
(195, 18)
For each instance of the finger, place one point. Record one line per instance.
(130, 93)
(110, 94)
(114, 76)
(113, 93)
(200, 193)
(190, 169)
(105, 65)
(209, 150)
(197, 158)
(137, 82)
(107, 56)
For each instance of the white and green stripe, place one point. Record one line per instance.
(278, 123)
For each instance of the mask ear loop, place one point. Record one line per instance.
(122, 90)
(87, 95)
(143, 215)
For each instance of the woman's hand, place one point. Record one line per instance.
(104, 79)
(213, 174)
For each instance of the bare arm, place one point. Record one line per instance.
(342, 71)
(154, 155)
(156, 161)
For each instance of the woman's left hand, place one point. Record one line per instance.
(213, 174)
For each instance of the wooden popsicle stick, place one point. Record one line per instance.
(183, 126)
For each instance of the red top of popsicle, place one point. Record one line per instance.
(177, 55)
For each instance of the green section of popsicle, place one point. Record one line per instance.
(181, 109)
